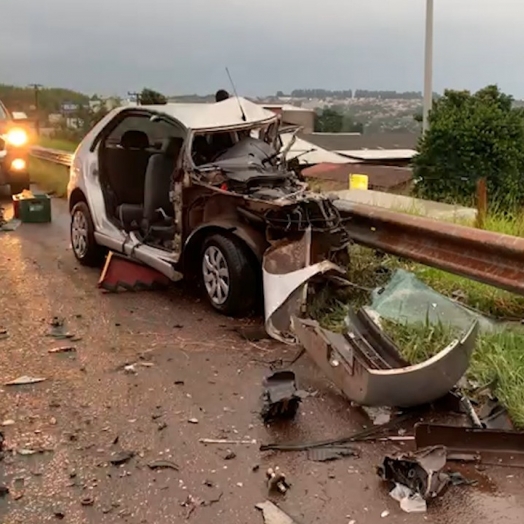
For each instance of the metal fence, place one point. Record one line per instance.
(56, 156)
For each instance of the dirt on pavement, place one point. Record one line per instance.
(191, 377)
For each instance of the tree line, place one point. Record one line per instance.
(350, 93)
(50, 100)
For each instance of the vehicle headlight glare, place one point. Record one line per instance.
(17, 137)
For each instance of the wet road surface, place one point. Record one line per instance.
(193, 378)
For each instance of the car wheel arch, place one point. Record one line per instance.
(77, 195)
(249, 237)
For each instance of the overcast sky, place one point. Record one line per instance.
(183, 46)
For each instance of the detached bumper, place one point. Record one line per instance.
(367, 367)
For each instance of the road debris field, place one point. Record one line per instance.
(151, 407)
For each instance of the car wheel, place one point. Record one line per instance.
(229, 276)
(83, 242)
(19, 186)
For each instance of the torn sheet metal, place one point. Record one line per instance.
(286, 271)
(420, 471)
(281, 397)
(366, 365)
(490, 446)
(494, 416)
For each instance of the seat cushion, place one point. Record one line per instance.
(130, 215)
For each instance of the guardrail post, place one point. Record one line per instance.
(482, 203)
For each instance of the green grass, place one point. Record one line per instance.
(497, 363)
(52, 178)
(57, 143)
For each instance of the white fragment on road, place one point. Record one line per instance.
(240, 485)
(384, 514)
(410, 502)
(62, 349)
(23, 380)
(193, 421)
(273, 514)
(130, 369)
(8, 422)
(225, 441)
(146, 364)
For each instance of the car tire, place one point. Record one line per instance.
(19, 186)
(230, 279)
(83, 242)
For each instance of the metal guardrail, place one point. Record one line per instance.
(56, 156)
(485, 256)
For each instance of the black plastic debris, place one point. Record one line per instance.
(121, 458)
(331, 453)
(457, 479)
(281, 397)
(419, 471)
(162, 464)
(58, 329)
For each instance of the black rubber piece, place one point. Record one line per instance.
(95, 253)
(244, 288)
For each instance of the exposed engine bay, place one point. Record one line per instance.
(269, 193)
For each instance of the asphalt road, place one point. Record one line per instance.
(195, 378)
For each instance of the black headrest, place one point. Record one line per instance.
(172, 146)
(134, 139)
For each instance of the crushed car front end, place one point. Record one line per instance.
(250, 192)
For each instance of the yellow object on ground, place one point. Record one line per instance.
(358, 181)
(26, 193)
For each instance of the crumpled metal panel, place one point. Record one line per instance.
(419, 471)
(286, 270)
(368, 372)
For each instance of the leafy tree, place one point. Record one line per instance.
(150, 97)
(329, 121)
(472, 136)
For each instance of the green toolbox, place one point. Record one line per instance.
(32, 207)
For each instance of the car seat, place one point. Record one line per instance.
(158, 208)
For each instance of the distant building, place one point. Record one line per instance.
(292, 115)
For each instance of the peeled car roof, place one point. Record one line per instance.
(217, 115)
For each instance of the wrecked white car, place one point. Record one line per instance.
(200, 190)
(206, 191)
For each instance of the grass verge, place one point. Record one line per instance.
(57, 143)
(52, 178)
(498, 360)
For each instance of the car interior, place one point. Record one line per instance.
(137, 160)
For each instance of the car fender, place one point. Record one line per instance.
(254, 239)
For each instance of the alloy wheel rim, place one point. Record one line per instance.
(79, 234)
(216, 275)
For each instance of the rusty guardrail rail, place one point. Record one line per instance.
(55, 156)
(485, 256)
